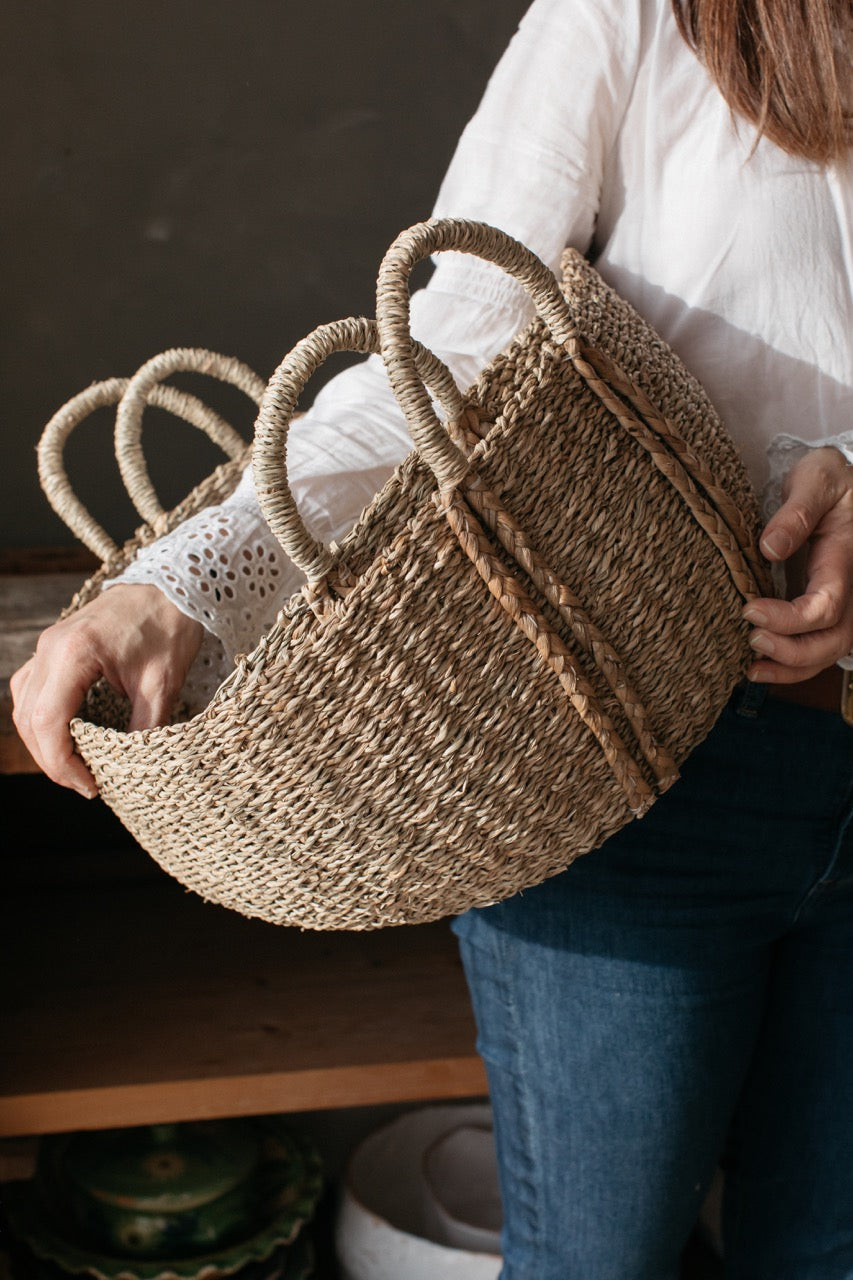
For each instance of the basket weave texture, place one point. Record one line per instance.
(506, 660)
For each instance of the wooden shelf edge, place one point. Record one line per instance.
(68, 558)
(27, 1115)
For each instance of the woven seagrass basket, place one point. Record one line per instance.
(505, 661)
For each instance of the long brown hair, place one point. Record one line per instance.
(780, 64)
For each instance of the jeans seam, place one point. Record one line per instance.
(527, 1154)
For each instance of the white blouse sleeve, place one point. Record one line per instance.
(531, 162)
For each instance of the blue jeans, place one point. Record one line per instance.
(680, 1000)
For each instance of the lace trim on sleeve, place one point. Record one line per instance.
(223, 567)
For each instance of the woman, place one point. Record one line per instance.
(683, 996)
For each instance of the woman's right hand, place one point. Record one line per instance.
(132, 636)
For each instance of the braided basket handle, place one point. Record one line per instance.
(706, 499)
(447, 462)
(53, 476)
(269, 451)
(144, 388)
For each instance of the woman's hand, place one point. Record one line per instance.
(132, 636)
(795, 639)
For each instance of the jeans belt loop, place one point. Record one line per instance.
(749, 699)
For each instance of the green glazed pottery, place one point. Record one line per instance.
(164, 1191)
(291, 1262)
(182, 1202)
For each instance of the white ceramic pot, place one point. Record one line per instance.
(384, 1225)
(462, 1204)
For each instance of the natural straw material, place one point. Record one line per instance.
(506, 660)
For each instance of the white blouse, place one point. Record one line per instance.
(598, 129)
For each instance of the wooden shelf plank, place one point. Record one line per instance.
(137, 1002)
(322, 1089)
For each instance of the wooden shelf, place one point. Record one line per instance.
(135, 1002)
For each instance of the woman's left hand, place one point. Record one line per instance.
(795, 639)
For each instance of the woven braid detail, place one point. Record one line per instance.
(591, 366)
(693, 463)
(516, 601)
(516, 542)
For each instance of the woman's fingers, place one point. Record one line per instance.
(154, 688)
(792, 658)
(42, 719)
(795, 639)
(818, 482)
(133, 637)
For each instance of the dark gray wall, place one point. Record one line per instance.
(212, 173)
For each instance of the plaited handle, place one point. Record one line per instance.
(717, 515)
(447, 462)
(144, 388)
(269, 452)
(51, 451)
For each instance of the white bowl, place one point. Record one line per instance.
(462, 1207)
(381, 1228)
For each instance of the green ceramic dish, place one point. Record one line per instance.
(295, 1261)
(288, 1181)
(162, 1191)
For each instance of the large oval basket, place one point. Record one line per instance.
(506, 660)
